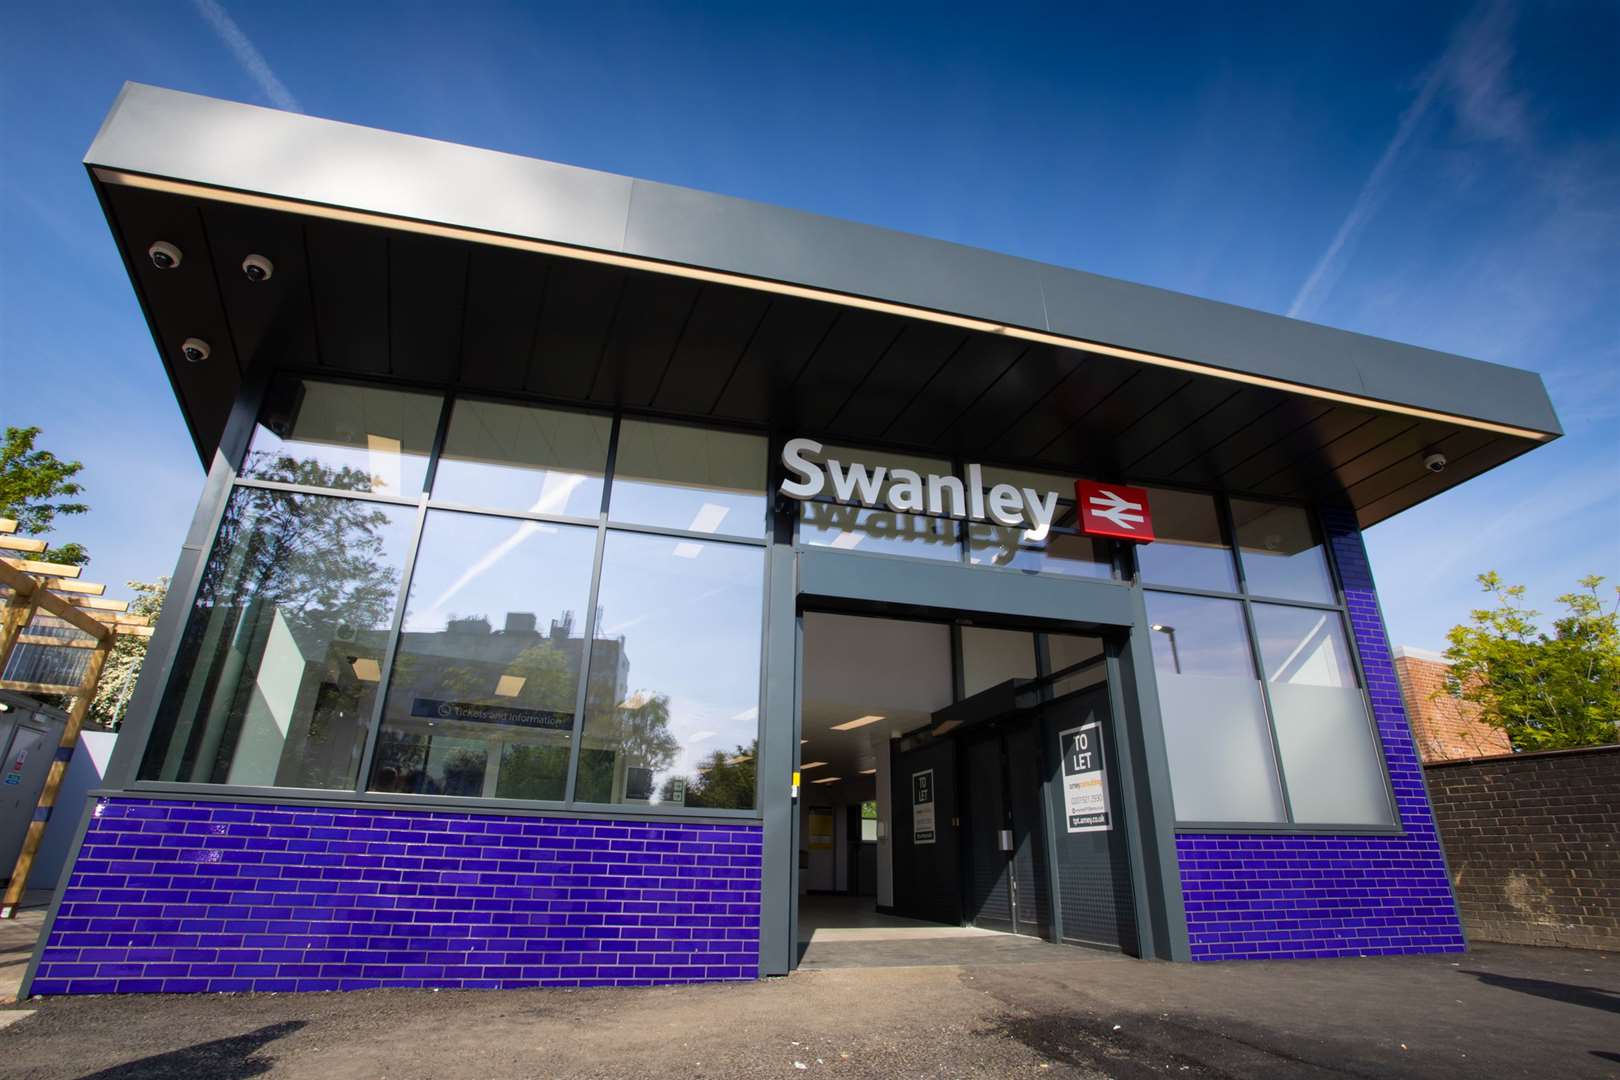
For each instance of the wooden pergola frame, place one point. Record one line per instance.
(52, 592)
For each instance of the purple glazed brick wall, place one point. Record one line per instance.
(181, 896)
(1254, 896)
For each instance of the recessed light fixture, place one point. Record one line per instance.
(510, 685)
(851, 725)
(739, 759)
(868, 772)
(688, 550)
(811, 765)
(827, 780)
(803, 741)
(948, 725)
(366, 669)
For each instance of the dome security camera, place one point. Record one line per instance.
(1435, 463)
(164, 255)
(257, 268)
(195, 350)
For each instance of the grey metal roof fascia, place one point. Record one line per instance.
(247, 148)
(225, 144)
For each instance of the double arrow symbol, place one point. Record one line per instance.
(1122, 512)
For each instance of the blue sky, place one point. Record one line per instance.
(1443, 174)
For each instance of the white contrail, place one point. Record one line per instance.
(1473, 69)
(251, 59)
(1371, 193)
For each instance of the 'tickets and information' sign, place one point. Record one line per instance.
(922, 807)
(1085, 781)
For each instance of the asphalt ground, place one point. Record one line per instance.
(1499, 1011)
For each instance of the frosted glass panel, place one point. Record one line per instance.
(1332, 767)
(1221, 762)
(1220, 751)
(1334, 774)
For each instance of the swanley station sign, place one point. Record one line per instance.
(907, 491)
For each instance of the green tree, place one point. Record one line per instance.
(123, 665)
(724, 781)
(1547, 691)
(35, 486)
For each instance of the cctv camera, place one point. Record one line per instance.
(1435, 463)
(258, 268)
(164, 255)
(195, 349)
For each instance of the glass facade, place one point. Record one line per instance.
(284, 648)
(424, 596)
(1265, 721)
(543, 652)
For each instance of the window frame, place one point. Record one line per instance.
(423, 503)
(1340, 605)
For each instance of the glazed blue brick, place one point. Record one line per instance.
(195, 897)
(1277, 896)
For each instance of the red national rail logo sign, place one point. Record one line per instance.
(1114, 510)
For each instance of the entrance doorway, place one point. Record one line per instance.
(936, 803)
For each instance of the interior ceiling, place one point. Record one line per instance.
(855, 667)
(363, 301)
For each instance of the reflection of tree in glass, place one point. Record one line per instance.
(286, 469)
(639, 728)
(321, 567)
(319, 560)
(725, 781)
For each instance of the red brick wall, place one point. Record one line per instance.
(1444, 727)
(1533, 843)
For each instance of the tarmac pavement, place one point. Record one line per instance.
(1499, 1011)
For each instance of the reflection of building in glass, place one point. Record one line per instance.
(477, 711)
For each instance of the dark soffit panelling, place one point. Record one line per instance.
(372, 302)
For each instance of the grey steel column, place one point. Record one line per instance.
(164, 646)
(778, 754)
(1154, 836)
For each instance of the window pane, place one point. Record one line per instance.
(878, 532)
(824, 523)
(277, 671)
(1221, 762)
(672, 706)
(353, 438)
(689, 478)
(1059, 553)
(1190, 549)
(1065, 651)
(991, 657)
(1329, 759)
(481, 700)
(1282, 555)
(516, 457)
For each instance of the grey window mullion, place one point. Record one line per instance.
(1229, 526)
(585, 648)
(395, 630)
(1356, 664)
(335, 493)
(440, 434)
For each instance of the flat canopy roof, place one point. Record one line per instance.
(402, 258)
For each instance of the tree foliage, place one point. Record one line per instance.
(1548, 691)
(36, 486)
(123, 665)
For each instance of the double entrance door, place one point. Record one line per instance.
(1006, 880)
(1014, 824)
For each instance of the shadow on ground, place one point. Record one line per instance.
(222, 1059)
(1593, 997)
